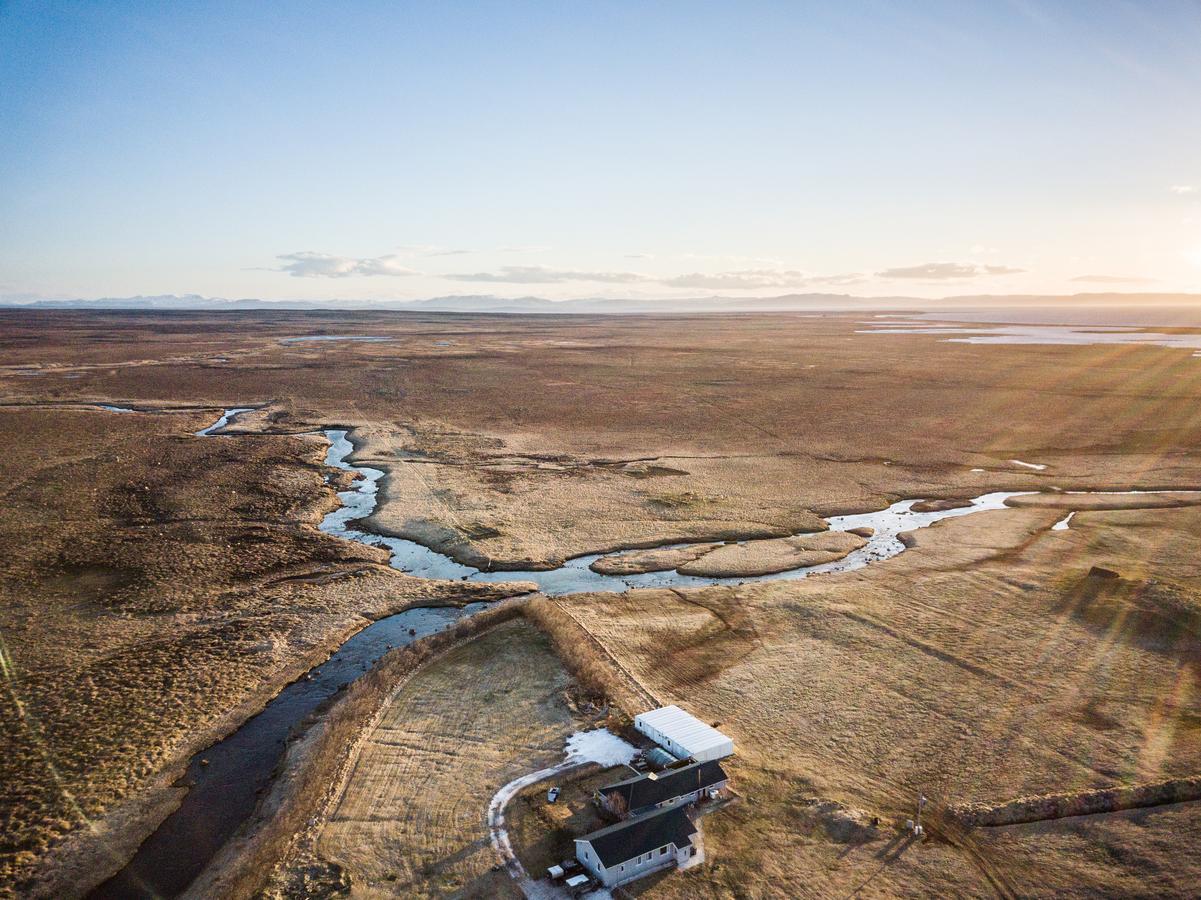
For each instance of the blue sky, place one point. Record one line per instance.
(621, 149)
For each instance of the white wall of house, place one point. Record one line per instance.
(589, 860)
(690, 797)
(620, 873)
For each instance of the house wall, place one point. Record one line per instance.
(630, 869)
(589, 860)
(675, 801)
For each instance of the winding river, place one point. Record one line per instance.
(575, 576)
(225, 781)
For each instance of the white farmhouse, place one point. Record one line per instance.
(638, 846)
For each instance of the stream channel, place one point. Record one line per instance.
(226, 780)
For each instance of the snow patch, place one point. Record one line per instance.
(1018, 462)
(1065, 523)
(599, 746)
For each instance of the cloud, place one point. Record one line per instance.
(942, 271)
(744, 279)
(1115, 279)
(544, 275)
(307, 264)
(1183, 189)
(837, 280)
(525, 248)
(741, 280)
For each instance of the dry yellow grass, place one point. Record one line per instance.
(534, 439)
(963, 669)
(411, 820)
(765, 557)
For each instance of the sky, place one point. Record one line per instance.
(397, 151)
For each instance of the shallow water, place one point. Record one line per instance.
(1039, 334)
(575, 576)
(226, 418)
(1029, 465)
(1065, 523)
(362, 338)
(223, 792)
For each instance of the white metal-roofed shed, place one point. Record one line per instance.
(683, 735)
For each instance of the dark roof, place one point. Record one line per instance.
(629, 839)
(647, 790)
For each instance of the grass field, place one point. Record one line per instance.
(967, 669)
(411, 819)
(155, 589)
(175, 583)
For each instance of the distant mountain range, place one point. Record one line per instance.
(486, 303)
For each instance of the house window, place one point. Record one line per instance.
(662, 851)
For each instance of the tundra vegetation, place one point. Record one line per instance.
(157, 588)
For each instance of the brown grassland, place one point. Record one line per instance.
(985, 664)
(156, 588)
(410, 820)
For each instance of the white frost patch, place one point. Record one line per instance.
(600, 746)
(1018, 462)
(977, 470)
(1065, 523)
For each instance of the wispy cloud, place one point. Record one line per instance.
(944, 270)
(307, 264)
(837, 280)
(745, 279)
(740, 280)
(1115, 279)
(1183, 189)
(545, 275)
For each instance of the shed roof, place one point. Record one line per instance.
(686, 730)
(630, 839)
(647, 790)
